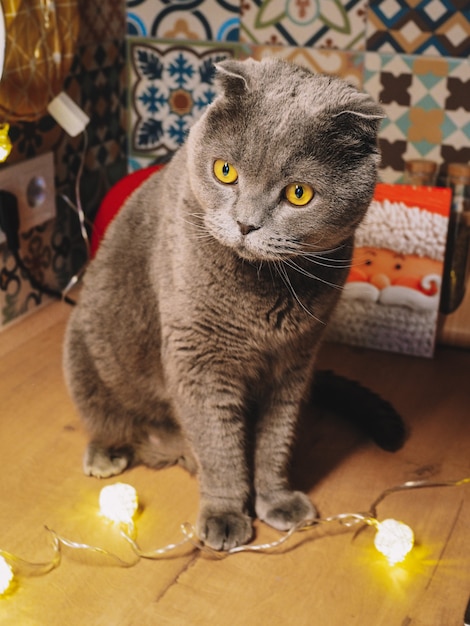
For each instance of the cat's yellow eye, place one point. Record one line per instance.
(299, 194)
(225, 172)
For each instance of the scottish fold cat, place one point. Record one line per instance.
(195, 338)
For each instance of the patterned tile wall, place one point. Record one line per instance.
(203, 20)
(311, 23)
(428, 111)
(423, 27)
(97, 82)
(349, 65)
(171, 85)
(412, 55)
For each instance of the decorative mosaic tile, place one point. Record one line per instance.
(427, 27)
(30, 139)
(427, 107)
(16, 297)
(319, 23)
(96, 82)
(54, 251)
(170, 86)
(101, 21)
(202, 20)
(348, 65)
(45, 257)
(135, 163)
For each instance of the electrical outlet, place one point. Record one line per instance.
(32, 182)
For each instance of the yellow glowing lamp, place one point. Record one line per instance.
(119, 503)
(394, 540)
(6, 576)
(5, 143)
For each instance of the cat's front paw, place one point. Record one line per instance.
(103, 462)
(284, 509)
(223, 530)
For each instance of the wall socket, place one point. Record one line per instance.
(32, 182)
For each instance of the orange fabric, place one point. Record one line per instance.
(433, 199)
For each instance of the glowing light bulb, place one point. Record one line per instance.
(394, 540)
(119, 503)
(6, 576)
(5, 143)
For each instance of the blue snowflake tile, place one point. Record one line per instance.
(194, 20)
(170, 86)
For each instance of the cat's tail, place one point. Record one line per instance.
(374, 415)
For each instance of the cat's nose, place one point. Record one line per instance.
(246, 228)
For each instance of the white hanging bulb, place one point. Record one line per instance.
(119, 503)
(394, 540)
(6, 576)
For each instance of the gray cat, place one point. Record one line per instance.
(195, 338)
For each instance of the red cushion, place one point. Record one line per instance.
(114, 200)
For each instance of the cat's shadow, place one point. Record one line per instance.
(323, 441)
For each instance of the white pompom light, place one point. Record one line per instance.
(6, 576)
(119, 503)
(394, 540)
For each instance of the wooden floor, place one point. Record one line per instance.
(324, 577)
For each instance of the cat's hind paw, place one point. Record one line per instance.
(284, 509)
(104, 462)
(223, 530)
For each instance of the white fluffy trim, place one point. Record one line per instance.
(404, 229)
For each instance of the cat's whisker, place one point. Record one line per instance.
(194, 224)
(201, 237)
(316, 257)
(286, 280)
(324, 251)
(338, 265)
(317, 248)
(296, 251)
(201, 233)
(303, 271)
(319, 258)
(199, 217)
(324, 257)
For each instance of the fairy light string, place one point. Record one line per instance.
(13, 567)
(415, 484)
(119, 505)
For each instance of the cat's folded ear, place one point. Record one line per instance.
(361, 110)
(235, 76)
(356, 121)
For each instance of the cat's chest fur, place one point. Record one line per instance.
(207, 291)
(250, 308)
